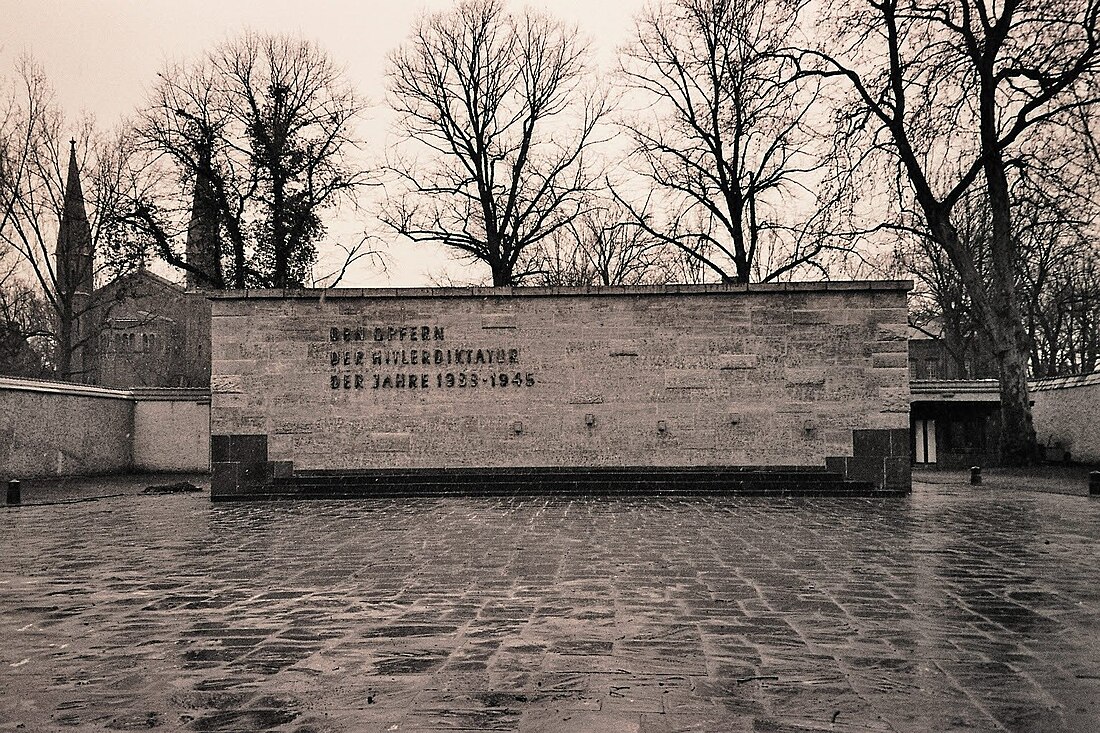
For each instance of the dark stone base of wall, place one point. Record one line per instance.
(881, 457)
(540, 481)
(240, 467)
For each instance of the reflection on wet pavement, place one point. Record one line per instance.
(948, 610)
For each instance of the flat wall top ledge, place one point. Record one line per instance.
(69, 388)
(142, 394)
(589, 290)
(171, 394)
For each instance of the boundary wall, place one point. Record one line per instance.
(1066, 411)
(64, 429)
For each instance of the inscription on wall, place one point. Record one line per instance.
(418, 358)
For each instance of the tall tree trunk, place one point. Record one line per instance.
(239, 281)
(1011, 344)
(279, 233)
(1017, 429)
(502, 275)
(65, 323)
(735, 204)
(999, 313)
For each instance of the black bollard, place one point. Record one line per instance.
(1094, 483)
(975, 475)
(13, 493)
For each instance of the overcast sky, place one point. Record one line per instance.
(102, 55)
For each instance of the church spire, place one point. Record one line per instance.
(74, 277)
(74, 237)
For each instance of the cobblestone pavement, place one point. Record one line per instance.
(953, 609)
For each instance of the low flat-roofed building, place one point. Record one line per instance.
(955, 423)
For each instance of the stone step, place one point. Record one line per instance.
(569, 470)
(571, 487)
(353, 491)
(541, 485)
(535, 481)
(851, 488)
(555, 476)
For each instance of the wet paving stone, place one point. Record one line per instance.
(950, 610)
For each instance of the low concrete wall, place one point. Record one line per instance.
(63, 429)
(172, 430)
(1067, 411)
(58, 429)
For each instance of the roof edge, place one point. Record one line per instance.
(1092, 379)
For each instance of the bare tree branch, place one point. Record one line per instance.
(256, 135)
(499, 99)
(726, 137)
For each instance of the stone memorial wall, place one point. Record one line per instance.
(761, 375)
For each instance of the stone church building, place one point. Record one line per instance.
(151, 333)
(139, 329)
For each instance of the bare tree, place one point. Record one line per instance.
(1055, 212)
(37, 168)
(499, 101)
(256, 138)
(951, 91)
(191, 184)
(1055, 218)
(724, 139)
(1062, 311)
(939, 304)
(601, 246)
(25, 324)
